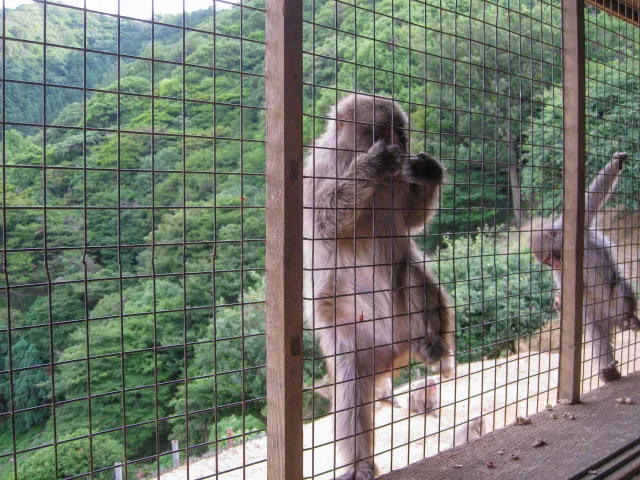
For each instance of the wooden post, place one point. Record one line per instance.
(573, 64)
(175, 455)
(118, 470)
(284, 238)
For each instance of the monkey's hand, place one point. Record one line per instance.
(379, 161)
(557, 303)
(632, 323)
(610, 373)
(423, 168)
(621, 157)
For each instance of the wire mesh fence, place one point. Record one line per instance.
(133, 324)
(612, 125)
(476, 81)
(134, 195)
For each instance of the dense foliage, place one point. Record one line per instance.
(481, 82)
(500, 293)
(73, 458)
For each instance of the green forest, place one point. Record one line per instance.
(154, 193)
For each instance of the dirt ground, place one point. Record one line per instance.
(501, 388)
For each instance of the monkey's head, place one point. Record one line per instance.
(363, 120)
(422, 400)
(546, 243)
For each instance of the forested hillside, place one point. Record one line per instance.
(482, 84)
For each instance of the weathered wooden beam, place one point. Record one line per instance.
(284, 238)
(573, 65)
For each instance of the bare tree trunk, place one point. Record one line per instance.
(514, 181)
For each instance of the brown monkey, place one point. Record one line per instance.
(370, 299)
(609, 298)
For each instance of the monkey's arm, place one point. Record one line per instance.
(338, 203)
(603, 185)
(426, 176)
(438, 345)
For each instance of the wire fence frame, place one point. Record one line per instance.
(155, 135)
(454, 108)
(573, 93)
(610, 56)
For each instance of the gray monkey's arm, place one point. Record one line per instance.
(335, 200)
(426, 176)
(603, 185)
(438, 345)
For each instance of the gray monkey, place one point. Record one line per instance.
(609, 298)
(368, 295)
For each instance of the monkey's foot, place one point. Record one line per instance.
(423, 168)
(610, 373)
(363, 472)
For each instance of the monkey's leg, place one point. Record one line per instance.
(597, 341)
(385, 357)
(384, 389)
(623, 306)
(430, 317)
(354, 414)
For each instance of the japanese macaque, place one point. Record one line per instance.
(369, 297)
(609, 299)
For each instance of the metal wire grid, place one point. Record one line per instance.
(470, 75)
(141, 202)
(613, 125)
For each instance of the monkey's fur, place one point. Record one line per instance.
(609, 298)
(369, 297)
